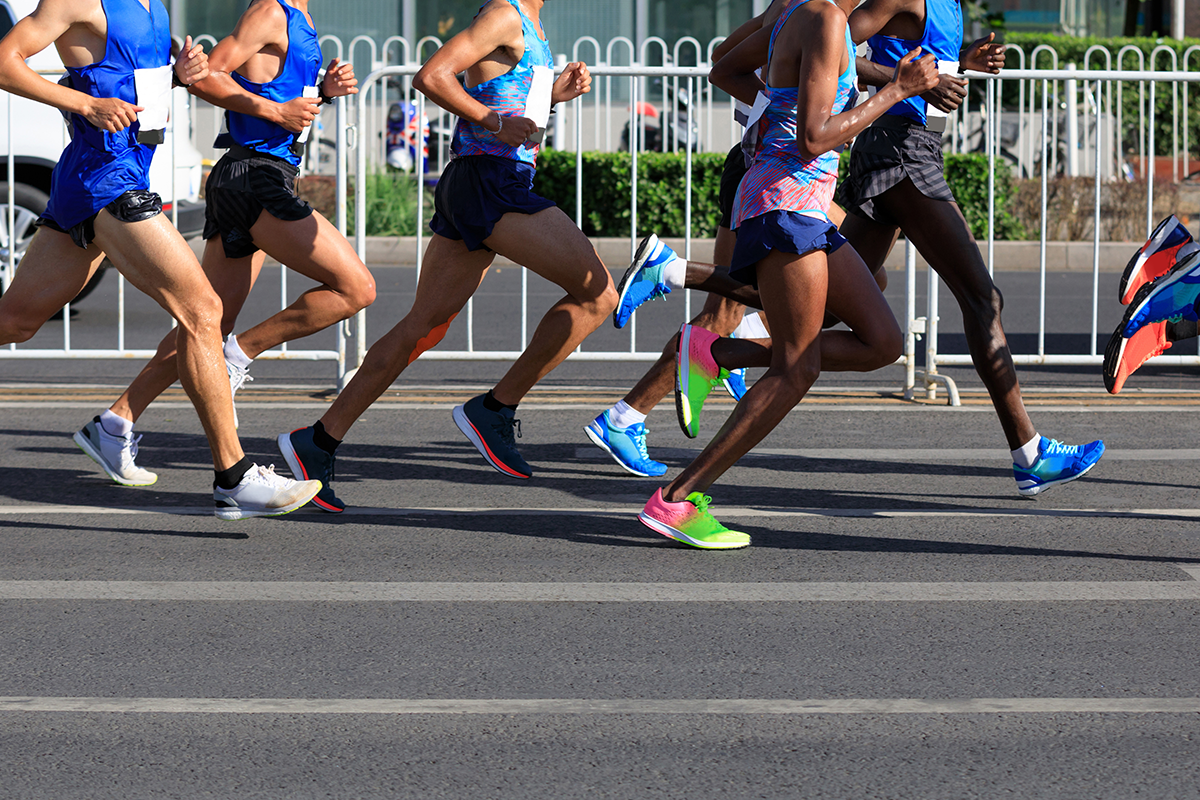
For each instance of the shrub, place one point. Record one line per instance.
(391, 205)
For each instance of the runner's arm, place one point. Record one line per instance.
(495, 27)
(735, 72)
(33, 34)
(263, 25)
(823, 43)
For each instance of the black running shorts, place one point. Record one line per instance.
(731, 175)
(240, 187)
(884, 155)
(133, 206)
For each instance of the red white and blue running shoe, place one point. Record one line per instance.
(1156, 257)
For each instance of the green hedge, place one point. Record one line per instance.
(661, 191)
(1071, 49)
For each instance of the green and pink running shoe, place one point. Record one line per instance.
(696, 375)
(690, 522)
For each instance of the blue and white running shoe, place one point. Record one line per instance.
(1172, 296)
(627, 446)
(735, 383)
(644, 279)
(1056, 463)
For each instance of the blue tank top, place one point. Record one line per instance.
(98, 166)
(301, 66)
(506, 95)
(780, 179)
(943, 37)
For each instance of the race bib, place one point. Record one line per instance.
(752, 115)
(944, 68)
(302, 137)
(153, 87)
(537, 102)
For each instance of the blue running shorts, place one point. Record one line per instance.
(474, 192)
(779, 230)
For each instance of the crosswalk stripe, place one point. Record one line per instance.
(392, 706)
(604, 592)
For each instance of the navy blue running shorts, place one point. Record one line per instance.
(779, 230)
(132, 206)
(474, 192)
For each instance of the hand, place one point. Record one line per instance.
(575, 80)
(339, 80)
(916, 77)
(191, 65)
(948, 95)
(516, 130)
(111, 114)
(984, 55)
(298, 114)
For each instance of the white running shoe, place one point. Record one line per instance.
(238, 376)
(114, 454)
(262, 493)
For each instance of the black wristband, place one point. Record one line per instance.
(175, 78)
(326, 100)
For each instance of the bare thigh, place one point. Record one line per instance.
(50, 275)
(232, 278)
(549, 244)
(312, 247)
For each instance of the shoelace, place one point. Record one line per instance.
(240, 377)
(264, 475)
(504, 429)
(639, 441)
(131, 448)
(702, 505)
(1057, 448)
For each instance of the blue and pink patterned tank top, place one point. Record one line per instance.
(301, 66)
(506, 95)
(780, 179)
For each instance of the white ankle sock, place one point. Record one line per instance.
(1026, 454)
(622, 415)
(675, 273)
(234, 354)
(751, 327)
(114, 425)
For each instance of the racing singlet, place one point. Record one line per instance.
(780, 179)
(943, 37)
(518, 92)
(301, 66)
(97, 166)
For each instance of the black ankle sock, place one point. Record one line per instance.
(229, 478)
(322, 439)
(492, 404)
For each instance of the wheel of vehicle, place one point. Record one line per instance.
(29, 203)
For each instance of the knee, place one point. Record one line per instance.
(203, 312)
(425, 334)
(361, 292)
(985, 304)
(15, 329)
(799, 378)
(888, 346)
(605, 301)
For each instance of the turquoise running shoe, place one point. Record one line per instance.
(735, 383)
(627, 446)
(644, 279)
(1057, 463)
(1171, 297)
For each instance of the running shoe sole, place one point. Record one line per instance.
(468, 430)
(596, 440)
(1137, 264)
(242, 513)
(84, 444)
(1033, 491)
(1143, 295)
(1112, 358)
(680, 536)
(298, 471)
(639, 259)
(681, 375)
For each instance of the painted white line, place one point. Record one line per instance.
(626, 510)
(867, 454)
(881, 407)
(395, 706)
(484, 592)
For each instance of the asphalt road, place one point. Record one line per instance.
(903, 625)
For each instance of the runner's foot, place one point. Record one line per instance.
(114, 454)
(492, 434)
(1156, 257)
(690, 522)
(627, 446)
(1057, 463)
(307, 461)
(644, 279)
(262, 493)
(1172, 296)
(696, 374)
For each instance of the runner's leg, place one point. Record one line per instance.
(51, 274)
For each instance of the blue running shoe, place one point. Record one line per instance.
(1056, 463)
(644, 279)
(309, 462)
(1156, 257)
(735, 383)
(492, 434)
(627, 446)
(1172, 296)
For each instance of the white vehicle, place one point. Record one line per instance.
(37, 135)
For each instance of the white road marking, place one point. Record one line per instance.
(396, 706)
(898, 407)
(626, 510)
(603, 592)
(942, 456)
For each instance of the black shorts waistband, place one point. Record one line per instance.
(893, 122)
